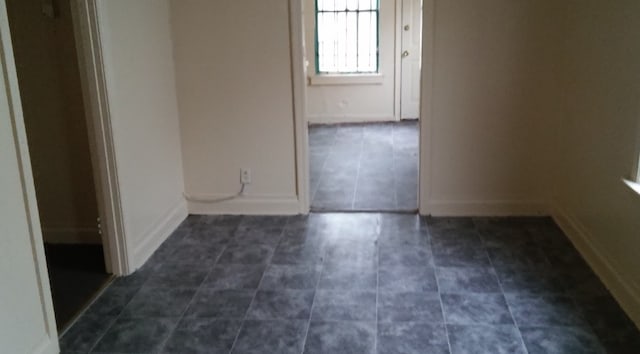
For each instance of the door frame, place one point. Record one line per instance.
(101, 145)
(86, 24)
(301, 123)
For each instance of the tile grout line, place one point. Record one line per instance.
(355, 189)
(321, 172)
(504, 296)
(255, 294)
(313, 301)
(200, 287)
(444, 318)
(375, 345)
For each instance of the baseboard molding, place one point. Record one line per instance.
(487, 208)
(71, 235)
(318, 119)
(246, 205)
(48, 345)
(158, 233)
(625, 292)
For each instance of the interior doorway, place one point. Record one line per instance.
(362, 98)
(55, 117)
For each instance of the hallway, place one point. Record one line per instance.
(364, 167)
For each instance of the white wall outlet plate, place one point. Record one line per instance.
(245, 175)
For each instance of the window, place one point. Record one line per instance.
(347, 36)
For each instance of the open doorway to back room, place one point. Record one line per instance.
(363, 100)
(55, 118)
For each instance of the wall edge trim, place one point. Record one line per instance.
(158, 233)
(488, 208)
(248, 205)
(628, 296)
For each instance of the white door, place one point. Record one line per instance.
(26, 311)
(410, 62)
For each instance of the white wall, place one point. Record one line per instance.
(346, 103)
(598, 137)
(234, 83)
(54, 116)
(26, 312)
(139, 71)
(492, 101)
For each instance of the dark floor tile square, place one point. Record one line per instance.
(460, 256)
(210, 236)
(234, 276)
(341, 337)
(532, 258)
(177, 276)
(560, 340)
(412, 338)
(436, 224)
(354, 251)
(467, 280)
(246, 254)
(194, 255)
(470, 309)
(159, 302)
(418, 238)
(619, 341)
(455, 238)
(295, 277)
(399, 278)
(282, 336)
(202, 335)
(348, 276)
(604, 312)
(503, 339)
(262, 221)
(409, 307)
(332, 305)
(405, 256)
(232, 304)
(136, 335)
(112, 301)
(544, 310)
(84, 334)
(257, 236)
(523, 281)
(302, 253)
(509, 238)
(283, 304)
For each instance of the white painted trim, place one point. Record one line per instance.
(301, 129)
(348, 118)
(488, 208)
(426, 106)
(346, 79)
(397, 61)
(48, 344)
(634, 186)
(248, 205)
(71, 235)
(158, 232)
(87, 28)
(623, 288)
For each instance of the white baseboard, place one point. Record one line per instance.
(321, 119)
(625, 291)
(71, 235)
(246, 205)
(158, 233)
(487, 208)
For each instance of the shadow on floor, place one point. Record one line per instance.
(76, 273)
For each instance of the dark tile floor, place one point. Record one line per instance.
(358, 283)
(369, 166)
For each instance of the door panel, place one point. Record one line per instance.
(410, 64)
(26, 313)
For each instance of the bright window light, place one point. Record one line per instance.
(347, 36)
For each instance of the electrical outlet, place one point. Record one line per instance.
(245, 175)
